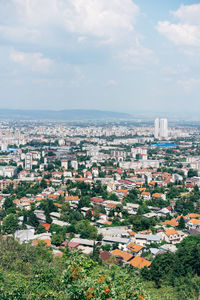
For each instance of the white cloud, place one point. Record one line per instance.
(34, 61)
(190, 85)
(188, 14)
(111, 82)
(187, 31)
(19, 34)
(180, 34)
(175, 70)
(100, 18)
(138, 56)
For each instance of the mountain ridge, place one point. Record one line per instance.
(68, 114)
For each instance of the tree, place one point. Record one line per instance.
(96, 253)
(40, 229)
(192, 173)
(48, 206)
(84, 202)
(8, 203)
(143, 209)
(57, 239)
(178, 269)
(113, 197)
(43, 184)
(100, 237)
(48, 218)
(106, 247)
(181, 224)
(161, 267)
(10, 224)
(32, 219)
(86, 230)
(29, 272)
(89, 215)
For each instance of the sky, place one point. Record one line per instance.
(117, 55)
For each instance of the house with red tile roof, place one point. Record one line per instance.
(72, 199)
(139, 262)
(135, 249)
(193, 224)
(122, 254)
(171, 236)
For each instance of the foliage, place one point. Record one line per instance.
(57, 239)
(180, 269)
(10, 224)
(192, 173)
(28, 272)
(86, 230)
(181, 224)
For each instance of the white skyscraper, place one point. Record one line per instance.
(160, 128)
(163, 128)
(156, 128)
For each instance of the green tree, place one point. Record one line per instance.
(48, 206)
(86, 230)
(32, 220)
(40, 229)
(10, 224)
(192, 173)
(43, 184)
(162, 267)
(57, 239)
(181, 224)
(8, 203)
(113, 197)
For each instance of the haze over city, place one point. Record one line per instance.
(120, 55)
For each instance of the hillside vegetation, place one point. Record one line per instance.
(28, 272)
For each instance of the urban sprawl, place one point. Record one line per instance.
(132, 192)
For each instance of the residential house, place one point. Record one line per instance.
(139, 262)
(122, 254)
(171, 236)
(135, 249)
(193, 224)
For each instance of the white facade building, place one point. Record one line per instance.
(156, 128)
(28, 161)
(74, 164)
(64, 164)
(163, 128)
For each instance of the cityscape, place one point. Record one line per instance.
(119, 194)
(99, 150)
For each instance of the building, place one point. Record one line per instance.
(64, 164)
(156, 128)
(4, 147)
(163, 128)
(4, 183)
(28, 161)
(74, 164)
(140, 153)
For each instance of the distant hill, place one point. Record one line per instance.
(68, 115)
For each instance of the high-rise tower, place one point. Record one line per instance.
(160, 128)
(163, 128)
(156, 128)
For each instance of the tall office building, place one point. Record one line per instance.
(160, 128)
(156, 128)
(163, 128)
